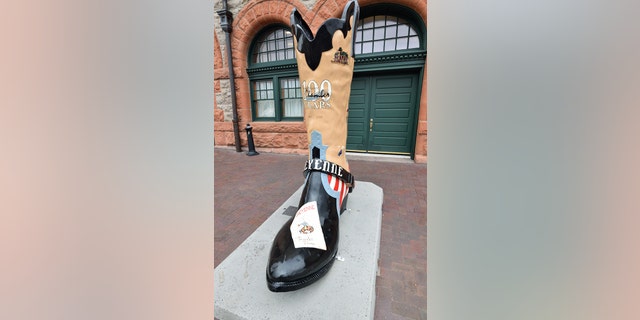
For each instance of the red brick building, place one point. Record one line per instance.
(388, 104)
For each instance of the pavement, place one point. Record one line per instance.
(247, 190)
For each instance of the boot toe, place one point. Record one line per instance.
(291, 268)
(295, 272)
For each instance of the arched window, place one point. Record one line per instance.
(389, 37)
(275, 88)
(384, 33)
(274, 46)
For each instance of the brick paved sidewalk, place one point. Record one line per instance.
(248, 190)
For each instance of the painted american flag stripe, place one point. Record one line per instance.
(338, 185)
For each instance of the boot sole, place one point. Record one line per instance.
(284, 286)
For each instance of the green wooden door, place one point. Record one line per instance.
(357, 128)
(382, 112)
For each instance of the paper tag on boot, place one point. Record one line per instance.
(305, 228)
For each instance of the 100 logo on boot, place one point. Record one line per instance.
(316, 97)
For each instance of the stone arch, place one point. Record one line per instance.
(248, 23)
(323, 10)
(419, 6)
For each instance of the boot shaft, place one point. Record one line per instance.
(325, 66)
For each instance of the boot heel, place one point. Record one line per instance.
(344, 204)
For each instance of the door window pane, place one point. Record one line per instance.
(392, 20)
(414, 42)
(378, 33)
(391, 43)
(378, 46)
(402, 43)
(367, 47)
(390, 32)
(403, 30)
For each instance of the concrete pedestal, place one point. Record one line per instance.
(347, 291)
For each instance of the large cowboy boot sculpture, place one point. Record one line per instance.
(306, 246)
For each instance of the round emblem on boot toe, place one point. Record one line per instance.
(306, 229)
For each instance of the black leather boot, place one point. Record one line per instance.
(291, 268)
(305, 247)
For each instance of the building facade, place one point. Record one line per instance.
(388, 104)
